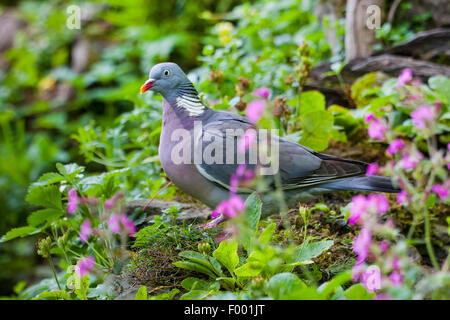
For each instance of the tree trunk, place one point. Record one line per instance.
(361, 25)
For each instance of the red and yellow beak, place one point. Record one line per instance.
(147, 85)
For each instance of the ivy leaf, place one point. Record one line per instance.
(226, 254)
(45, 196)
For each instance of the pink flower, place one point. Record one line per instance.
(73, 201)
(255, 110)
(384, 246)
(84, 266)
(121, 222)
(441, 190)
(112, 202)
(246, 140)
(371, 278)
(229, 208)
(85, 231)
(358, 208)
(402, 197)
(262, 92)
(377, 130)
(369, 117)
(404, 78)
(361, 245)
(394, 146)
(372, 169)
(411, 161)
(396, 278)
(357, 269)
(378, 202)
(421, 116)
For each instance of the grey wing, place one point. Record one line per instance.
(298, 165)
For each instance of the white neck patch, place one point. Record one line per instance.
(191, 104)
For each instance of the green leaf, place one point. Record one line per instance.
(250, 269)
(358, 292)
(313, 250)
(193, 283)
(192, 266)
(19, 232)
(48, 178)
(53, 295)
(45, 196)
(251, 217)
(203, 260)
(141, 294)
(267, 233)
(44, 215)
(441, 84)
(287, 286)
(69, 171)
(227, 255)
(311, 101)
(317, 126)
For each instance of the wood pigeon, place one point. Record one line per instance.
(303, 173)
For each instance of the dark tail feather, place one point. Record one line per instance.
(371, 183)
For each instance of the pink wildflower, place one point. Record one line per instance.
(421, 116)
(255, 110)
(229, 208)
(84, 266)
(372, 169)
(396, 278)
(384, 246)
(262, 92)
(411, 161)
(377, 130)
(358, 208)
(369, 117)
(394, 146)
(404, 78)
(441, 190)
(85, 231)
(371, 278)
(402, 197)
(73, 201)
(121, 222)
(378, 202)
(361, 245)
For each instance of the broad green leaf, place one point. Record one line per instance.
(203, 260)
(141, 294)
(48, 178)
(267, 233)
(44, 215)
(19, 232)
(165, 296)
(441, 84)
(227, 255)
(287, 286)
(53, 295)
(45, 196)
(312, 250)
(358, 292)
(69, 170)
(311, 101)
(250, 269)
(251, 216)
(192, 266)
(193, 283)
(317, 126)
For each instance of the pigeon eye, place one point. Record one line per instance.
(166, 73)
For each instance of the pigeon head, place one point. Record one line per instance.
(169, 80)
(165, 78)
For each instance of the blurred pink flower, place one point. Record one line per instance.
(421, 116)
(358, 208)
(371, 278)
(85, 231)
(119, 222)
(73, 201)
(262, 92)
(394, 146)
(402, 197)
(84, 266)
(384, 246)
(441, 190)
(229, 208)
(246, 140)
(372, 169)
(404, 78)
(378, 202)
(369, 117)
(128, 225)
(411, 161)
(255, 110)
(396, 278)
(114, 223)
(376, 130)
(361, 245)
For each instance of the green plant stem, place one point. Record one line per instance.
(428, 241)
(54, 271)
